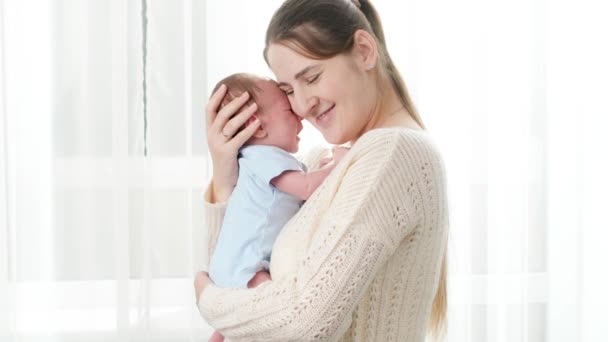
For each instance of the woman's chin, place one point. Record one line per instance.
(333, 139)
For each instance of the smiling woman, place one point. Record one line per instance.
(473, 80)
(377, 226)
(298, 76)
(101, 212)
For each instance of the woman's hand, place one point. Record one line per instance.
(223, 140)
(200, 283)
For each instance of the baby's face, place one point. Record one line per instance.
(280, 123)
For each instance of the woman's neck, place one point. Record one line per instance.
(391, 113)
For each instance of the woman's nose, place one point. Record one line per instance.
(305, 105)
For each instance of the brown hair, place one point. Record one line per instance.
(322, 29)
(237, 84)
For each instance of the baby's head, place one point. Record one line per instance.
(279, 126)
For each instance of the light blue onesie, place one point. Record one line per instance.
(255, 214)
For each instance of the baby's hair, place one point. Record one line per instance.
(237, 84)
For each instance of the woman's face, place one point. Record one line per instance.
(335, 95)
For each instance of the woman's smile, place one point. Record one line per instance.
(323, 118)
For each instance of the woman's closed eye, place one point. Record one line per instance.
(313, 79)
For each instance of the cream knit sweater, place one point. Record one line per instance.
(360, 261)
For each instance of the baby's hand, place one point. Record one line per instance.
(325, 161)
(339, 152)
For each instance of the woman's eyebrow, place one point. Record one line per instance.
(300, 74)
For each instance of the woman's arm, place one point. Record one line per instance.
(213, 216)
(351, 243)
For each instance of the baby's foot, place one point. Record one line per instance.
(258, 278)
(216, 337)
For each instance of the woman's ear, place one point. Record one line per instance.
(365, 49)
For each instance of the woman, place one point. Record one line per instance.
(364, 258)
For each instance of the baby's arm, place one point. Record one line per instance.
(302, 184)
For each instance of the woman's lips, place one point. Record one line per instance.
(324, 117)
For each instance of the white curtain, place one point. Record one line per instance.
(103, 159)
(103, 165)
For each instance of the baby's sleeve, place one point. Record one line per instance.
(268, 163)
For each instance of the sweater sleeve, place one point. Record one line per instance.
(369, 214)
(213, 217)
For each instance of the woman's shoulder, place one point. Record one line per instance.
(400, 154)
(392, 134)
(397, 140)
(381, 145)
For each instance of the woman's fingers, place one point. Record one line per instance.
(247, 132)
(228, 111)
(233, 125)
(214, 104)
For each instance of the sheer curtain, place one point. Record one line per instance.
(103, 159)
(103, 164)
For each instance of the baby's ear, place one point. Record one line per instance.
(260, 132)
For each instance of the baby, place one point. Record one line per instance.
(271, 186)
